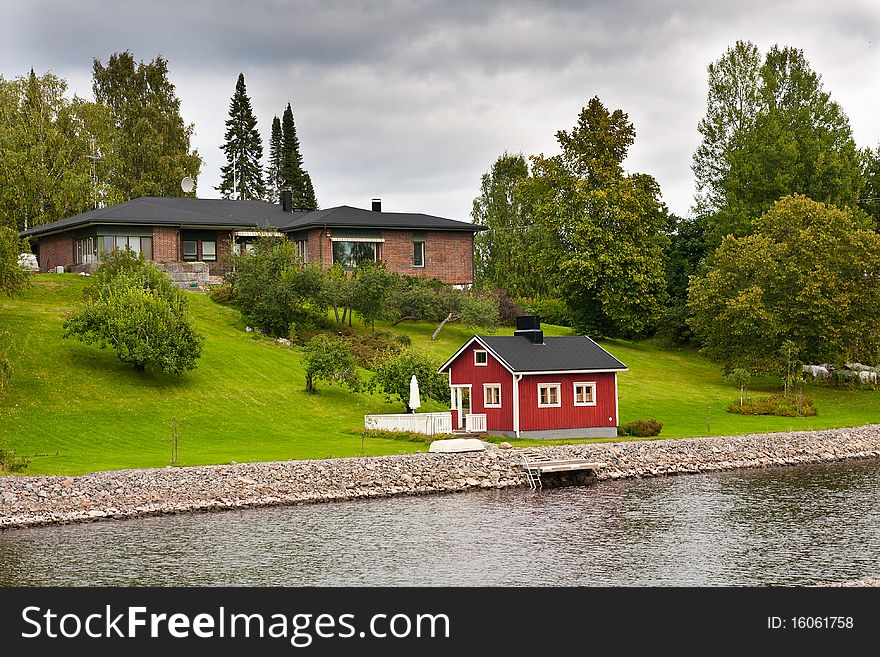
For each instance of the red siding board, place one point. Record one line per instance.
(463, 371)
(532, 418)
(567, 415)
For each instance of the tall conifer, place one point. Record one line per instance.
(274, 173)
(293, 176)
(242, 177)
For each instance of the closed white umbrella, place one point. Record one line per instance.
(414, 399)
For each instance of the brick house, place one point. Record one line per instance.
(529, 386)
(210, 230)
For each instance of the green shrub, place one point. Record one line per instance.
(640, 428)
(791, 406)
(409, 436)
(403, 339)
(550, 310)
(222, 294)
(134, 308)
(9, 462)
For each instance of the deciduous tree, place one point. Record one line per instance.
(808, 278)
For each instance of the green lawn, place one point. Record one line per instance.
(74, 408)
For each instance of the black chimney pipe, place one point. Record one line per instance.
(377, 205)
(286, 200)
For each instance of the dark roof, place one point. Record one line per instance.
(152, 210)
(571, 353)
(349, 217)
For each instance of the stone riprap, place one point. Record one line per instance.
(27, 501)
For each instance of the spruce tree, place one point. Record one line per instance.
(242, 177)
(293, 176)
(274, 173)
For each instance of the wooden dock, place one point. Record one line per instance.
(536, 464)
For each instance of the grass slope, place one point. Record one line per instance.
(75, 408)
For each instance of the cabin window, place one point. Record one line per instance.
(418, 254)
(584, 394)
(480, 357)
(492, 395)
(108, 243)
(548, 395)
(209, 250)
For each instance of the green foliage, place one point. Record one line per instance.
(13, 277)
(408, 436)
(505, 254)
(242, 175)
(740, 377)
(393, 372)
(781, 405)
(870, 199)
(273, 289)
(222, 294)
(330, 359)
(641, 428)
(5, 365)
(139, 313)
(150, 143)
(46, 140)
(600, 228)
(292, 175)
(809, 275)
(9, 462)
(550, 309)
(370, 290)
(770, 131)
(273, 174)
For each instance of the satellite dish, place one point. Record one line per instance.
(187, 184)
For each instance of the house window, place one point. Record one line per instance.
(249, 247)
(209, 250)
(302, 251)
(492, 395)
(86, 251)
(548, 395)
(190, 250)
(418, 254)
(108, 243)
(351, 254)
(584, 394)
(480, 357)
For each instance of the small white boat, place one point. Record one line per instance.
(457, 445)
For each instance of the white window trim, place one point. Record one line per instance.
(481, 351)
(486, 386)
(558, 387)
(422, 243)
(574, 388)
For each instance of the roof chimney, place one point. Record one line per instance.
(529, 327)
(377, 205)
(286, 200)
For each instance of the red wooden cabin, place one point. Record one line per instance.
(529, 386)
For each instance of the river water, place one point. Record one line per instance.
(781, 527)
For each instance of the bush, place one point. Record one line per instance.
(791, 406)
(9, 462)
(550, 310)
(403, 339)
(222, 294)
(409, 436)
(330, 360)
(393, 372)
(134, 308)
(13, 277)
(640, 428)
(508, 308)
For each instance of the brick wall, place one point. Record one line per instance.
(55, 250)
(166, 244)
(448, 255)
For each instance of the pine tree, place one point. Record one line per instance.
(293, 176)
(242, 177)
(274, 173)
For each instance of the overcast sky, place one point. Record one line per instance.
(413, 101)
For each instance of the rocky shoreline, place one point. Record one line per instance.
(31, 501)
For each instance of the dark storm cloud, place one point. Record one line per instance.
(414, 100)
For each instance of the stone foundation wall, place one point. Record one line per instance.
(42, 500)
(187, 275)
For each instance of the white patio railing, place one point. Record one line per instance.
(475, 423)
(426, 423)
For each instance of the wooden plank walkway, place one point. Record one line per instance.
(535, 464)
